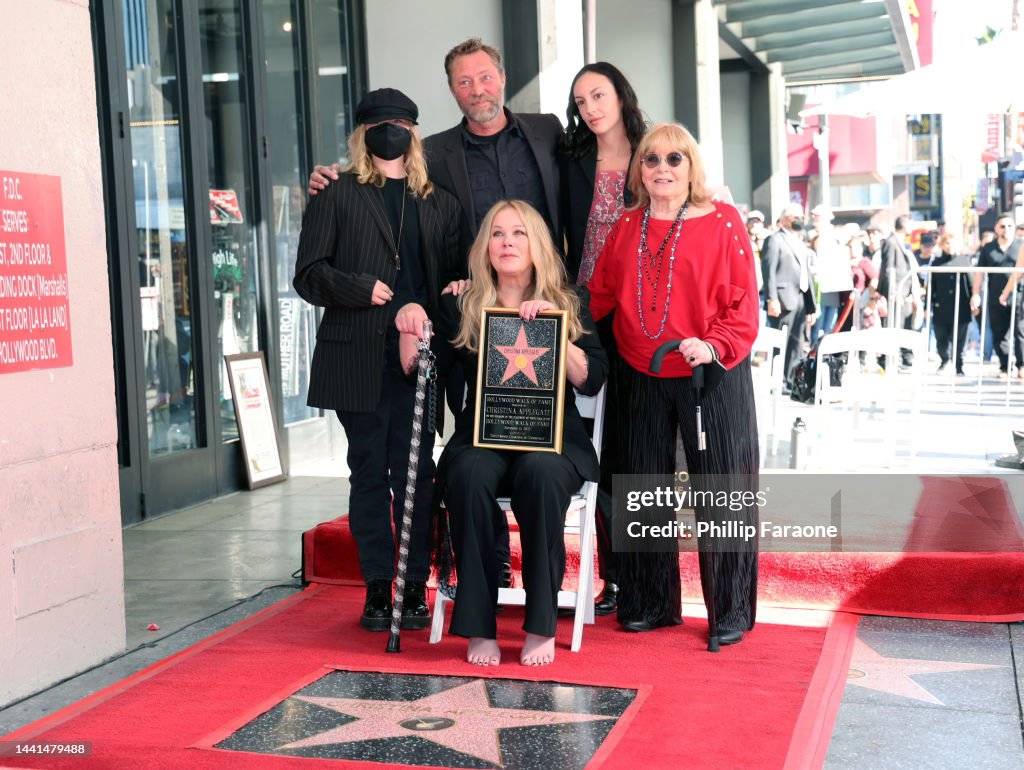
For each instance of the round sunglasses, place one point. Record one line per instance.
(673, 159)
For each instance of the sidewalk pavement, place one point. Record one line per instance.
(920, 693)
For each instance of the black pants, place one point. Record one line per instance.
(655, 408)
(1003, 336)
(455, 393)
(378, 458)
(943, 328)
(540, 485)
(795, 319)
(611, 461)
(906, 318)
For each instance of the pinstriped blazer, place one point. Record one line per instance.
(345, 247)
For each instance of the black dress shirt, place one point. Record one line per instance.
(503, 166)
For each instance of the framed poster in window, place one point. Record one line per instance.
(257, 428)
(521, 381)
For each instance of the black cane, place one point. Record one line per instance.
(698, 387)
(394, 640)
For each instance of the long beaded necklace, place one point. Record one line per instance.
(651, 266)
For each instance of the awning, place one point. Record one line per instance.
(819, 41)
(979, 82)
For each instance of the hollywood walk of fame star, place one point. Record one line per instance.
(460, 718)
(893, 675)
(520, 357)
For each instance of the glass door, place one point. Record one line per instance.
(166, 301)
(209, 114)
(234, 257)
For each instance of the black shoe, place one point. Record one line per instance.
(637, 626)
(729, 636)
(415, 610)
(641, 625)
(608, 602)
(942, 367)
(377, 610)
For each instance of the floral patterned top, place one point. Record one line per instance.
(608, 206)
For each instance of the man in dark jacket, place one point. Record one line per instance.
(785, 262)
(493, 154)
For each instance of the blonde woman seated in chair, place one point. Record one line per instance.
(513, 264)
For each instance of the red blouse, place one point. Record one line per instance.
(714, 289)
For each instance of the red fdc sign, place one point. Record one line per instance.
(35, 325)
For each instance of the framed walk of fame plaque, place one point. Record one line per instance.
(520, 381)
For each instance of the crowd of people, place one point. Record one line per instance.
(835, 278)
(610, 220)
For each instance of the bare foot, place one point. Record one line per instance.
(538, 650)
(483, 652)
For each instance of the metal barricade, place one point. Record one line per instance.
(896, 313)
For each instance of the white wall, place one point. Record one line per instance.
(408, 40)
(61, 572)
(636, 37)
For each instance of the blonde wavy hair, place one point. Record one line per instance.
(550, 281)
(361, 163)
(675, 137)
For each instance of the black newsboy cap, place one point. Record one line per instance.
(386, 104)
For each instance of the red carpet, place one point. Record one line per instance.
(769, 702)
(957, 554)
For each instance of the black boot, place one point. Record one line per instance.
(377, 610)
(608, 602)
(415, 611)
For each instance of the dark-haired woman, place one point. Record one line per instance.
(605, 125)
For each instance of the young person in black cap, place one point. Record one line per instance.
(492, 154)
(376, 249)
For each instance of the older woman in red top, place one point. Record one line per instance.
(678, 266)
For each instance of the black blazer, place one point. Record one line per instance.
(780, 265)
(944, 287)
(345, 247)
(576, 444)
(446, 164)
(578, 175)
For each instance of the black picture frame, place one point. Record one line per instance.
(520, 389)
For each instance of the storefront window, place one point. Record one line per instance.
(234, 258)
(285, 129)
(166, 304)
(333, 79)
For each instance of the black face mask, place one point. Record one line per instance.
(388, 141)
(797, 225)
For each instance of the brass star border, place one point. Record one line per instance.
(438, 721)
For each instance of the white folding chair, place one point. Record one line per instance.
(580, 519)
(888, 388)
(769, 379)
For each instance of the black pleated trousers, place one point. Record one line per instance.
(540, 485)
(650, 415)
